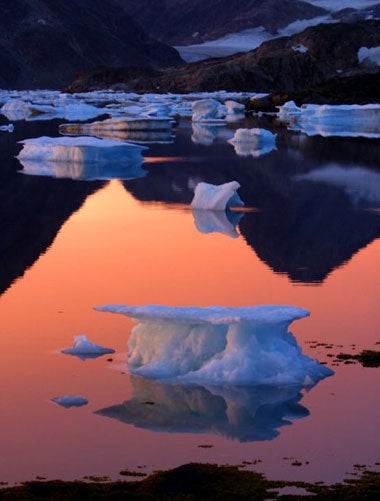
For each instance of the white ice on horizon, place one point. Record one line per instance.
(68, 401)
(84, 348)
(359, 183)
(333, 120)
(253, 142)
(217, 346)
(216, 197)
(80, 150)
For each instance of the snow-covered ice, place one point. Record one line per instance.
(216, 197)
(70, 401)
(207, 110)
(254, 142)
(218, 345)
(218, 221)
(236, 412)
(84, 348)
(80, 150)
(333, 120)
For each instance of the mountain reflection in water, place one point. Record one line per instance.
(241, 413)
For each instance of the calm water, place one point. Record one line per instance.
(69, 245)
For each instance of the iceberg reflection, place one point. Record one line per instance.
(216, 221)
(239, 413)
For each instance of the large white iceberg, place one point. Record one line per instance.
(242, 413)
(79, 150)
(84, 348)
(216, 197)
(254, 142)
(218, 345)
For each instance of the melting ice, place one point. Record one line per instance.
(84, 348)
(218, 346)
(216, 197)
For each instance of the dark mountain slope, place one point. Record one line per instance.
(182, 22)
(45, 43)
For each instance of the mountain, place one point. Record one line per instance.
(286, 64)
(45, 43)
(183, 22)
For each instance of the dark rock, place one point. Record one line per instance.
(45, 43)
(183, 22)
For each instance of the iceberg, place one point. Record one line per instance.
(239, 413)
(254, 142)
(333, 120)
(207, 110)
(79, 150)
(17, 109)
(224, 222)
(234, 108)
(218, 345)
(84, 348)
(216, 197)
(70, 401)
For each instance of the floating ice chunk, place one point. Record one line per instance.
(335, 120)
(216, 345)
(70, 401)
(289, 108)
(254, 142)
(234, 108)
(216, 197)
(7, 128)
(17, 109)
(84, 348)
(80, 150)
(239, 413)
(225, 222)
(360, 184)
(369, 56)
(207, 110)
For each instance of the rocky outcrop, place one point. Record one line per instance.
(285, 65)
(182, 22)
(45, 44)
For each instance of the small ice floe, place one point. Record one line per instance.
(218, 345)
(224, 222)
(7, 128)
(70, 401)
(216, 197)
(253, 142)
(84, 348)
(79, 150)
(234, 108)
(288, 109)
(208, 110)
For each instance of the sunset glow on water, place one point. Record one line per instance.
(119, 249)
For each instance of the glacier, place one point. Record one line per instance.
(216, 197)
(242, 413)
(84, 348)
(218, 345)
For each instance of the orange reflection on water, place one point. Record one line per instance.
(118, 250)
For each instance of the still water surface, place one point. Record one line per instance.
(68, 246)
